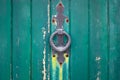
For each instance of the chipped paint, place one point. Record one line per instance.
(98, 58)
(48, 67)
(44, 68)
(98, 75)
(44, 53)
(54, 65)
(98, 68)
(48, 16)
(55, 23)
(48, 32)
(44, 33)
(98, 78)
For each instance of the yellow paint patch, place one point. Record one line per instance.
(60, 73)
(54, 65)
(54, 61)
(66, 58)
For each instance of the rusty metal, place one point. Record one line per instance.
(60, 48)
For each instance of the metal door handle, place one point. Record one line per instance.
(60, 48)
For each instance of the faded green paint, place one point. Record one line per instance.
(25, 28)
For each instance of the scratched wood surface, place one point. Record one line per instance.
(25, 28)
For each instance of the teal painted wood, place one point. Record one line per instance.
(40, 44)
(114, 26)
(21, 39)
(54, 65)
(95, 35)
(98, 54)
(5, 39)
(66, 72)
(79, 36)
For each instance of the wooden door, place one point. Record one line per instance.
(25, 30)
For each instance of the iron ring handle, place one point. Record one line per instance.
(61, 48)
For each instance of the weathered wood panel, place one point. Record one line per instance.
(40, 44)
(21, 39)
(25, 28)
(98, 49)
(79, 35)
(114, 38)
(5, 39)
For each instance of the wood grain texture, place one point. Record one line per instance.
(5, 39)
(40, 44)
(21, 39)
(98, 56)
(114, 49)
(79, 36)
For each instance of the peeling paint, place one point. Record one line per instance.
(44, 54)
(44, 65)
(98, 68)
(98, 75)
(98, 58)
(98, 78)
(48, 16)
(44, 33)
(48, 67)
(48, 70)
(55, 23)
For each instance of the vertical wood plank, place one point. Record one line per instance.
(54, 64)
(21, 39)
(66, 26)
(40, 44)
(5, 39)
(79, 36)
(114, 24)
(59, 72)
(98, 55)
